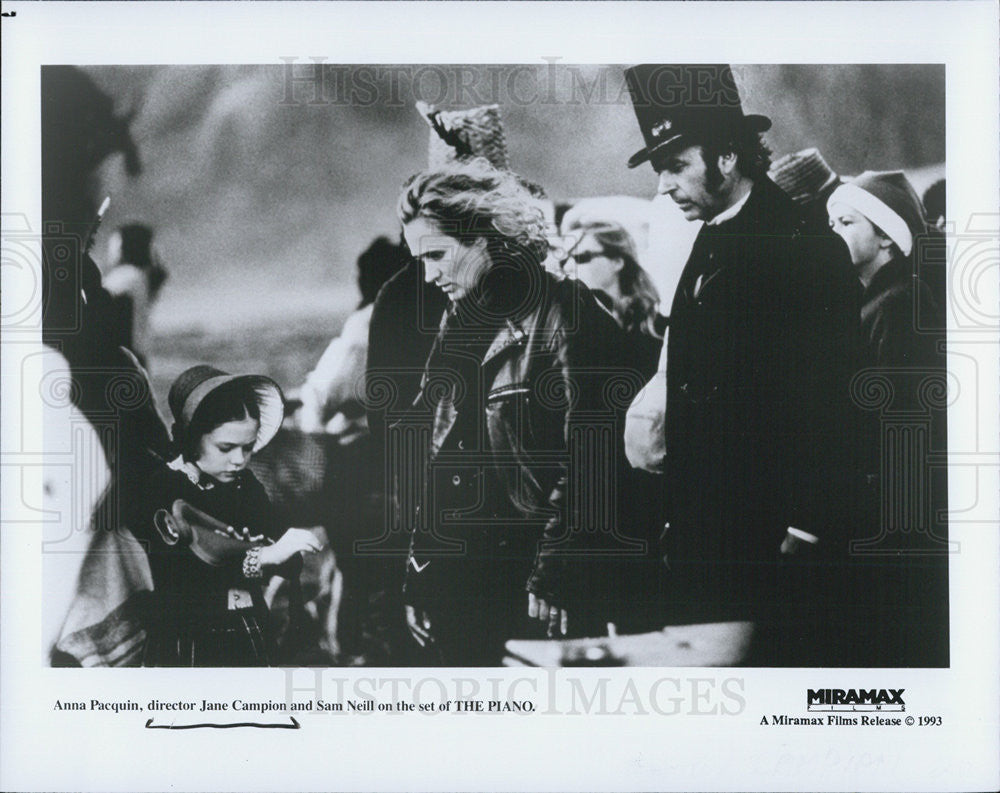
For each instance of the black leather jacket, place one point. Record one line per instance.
(522, 456)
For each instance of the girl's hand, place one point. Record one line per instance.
(292, 542)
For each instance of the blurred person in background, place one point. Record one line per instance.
(808, 181)
(606, 260)
(332, 404)
(881, 219)
(331, 392)
(134, 279)
(80, 130)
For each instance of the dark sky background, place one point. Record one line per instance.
(263, 193)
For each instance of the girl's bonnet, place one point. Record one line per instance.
(193, 385)
(889, 201)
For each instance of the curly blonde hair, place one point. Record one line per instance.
(472, 199)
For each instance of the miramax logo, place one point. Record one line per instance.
(832, 699)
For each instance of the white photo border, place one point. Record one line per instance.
(715, 740)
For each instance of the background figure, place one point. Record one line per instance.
(332, 402)
(880, 218)
(606, 261)
(808, 181)
(80, 130)
(331, 393)
(899, 604)
(134, 279)
(935, 205)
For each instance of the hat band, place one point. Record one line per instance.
(199, 392)
(877, 211)
(661, 144)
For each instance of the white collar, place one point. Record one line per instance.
(730, 213)
(190, 470)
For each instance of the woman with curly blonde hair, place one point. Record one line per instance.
(468, 224)
(519, 355)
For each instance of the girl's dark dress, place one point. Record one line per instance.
(904, 617)
(204, 615)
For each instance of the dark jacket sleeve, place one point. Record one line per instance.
(159, 490)
(588, 375)
(823, 356)
(895, 338)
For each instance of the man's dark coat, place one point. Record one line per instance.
(761, 348)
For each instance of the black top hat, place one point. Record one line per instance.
(681, 103)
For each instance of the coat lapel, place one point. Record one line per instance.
(508, 336)
(445, 416)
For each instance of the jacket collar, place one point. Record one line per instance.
(191, 471)
(502, 296)
(510, 335)
(765, 205)
(731, 212)
(896, 271)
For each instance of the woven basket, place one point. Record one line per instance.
(480, 130)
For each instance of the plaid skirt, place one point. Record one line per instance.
(232, 639)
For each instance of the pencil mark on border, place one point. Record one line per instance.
(293, 726)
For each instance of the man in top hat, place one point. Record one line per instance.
(760, 353)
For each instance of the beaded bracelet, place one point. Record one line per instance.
(251, 564)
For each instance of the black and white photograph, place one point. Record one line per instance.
(685, 406)
(426, 389)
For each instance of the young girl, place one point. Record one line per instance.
(896, 588)
(880, 217)
(207, 521)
